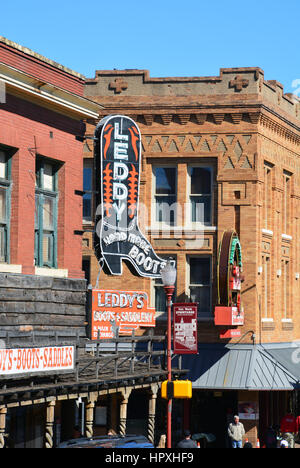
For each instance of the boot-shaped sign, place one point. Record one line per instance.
(117, 234)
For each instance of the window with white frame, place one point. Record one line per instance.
(165, 190)
(199, 283)
(46, 198)
(200, 194)
(5, 190)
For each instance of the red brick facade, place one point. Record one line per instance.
(41, 126)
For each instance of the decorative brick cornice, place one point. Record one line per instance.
(281, 130)
(201, 118)
(166, 118)
(257, 117)
(218, 118)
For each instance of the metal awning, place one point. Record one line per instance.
(244, 367)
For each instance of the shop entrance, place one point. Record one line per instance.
(211, 412)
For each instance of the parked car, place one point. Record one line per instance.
(116, 441)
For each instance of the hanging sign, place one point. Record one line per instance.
(185, 328)
(119, 311)
(117, 234)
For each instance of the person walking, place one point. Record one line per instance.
(187, 442)
(236, 431)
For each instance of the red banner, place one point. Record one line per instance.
(185, 328)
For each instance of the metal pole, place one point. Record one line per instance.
(169, 293)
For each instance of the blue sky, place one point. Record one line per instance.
(166, 37)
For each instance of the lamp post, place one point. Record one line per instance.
(168, 276)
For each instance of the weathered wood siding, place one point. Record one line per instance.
(42, 304)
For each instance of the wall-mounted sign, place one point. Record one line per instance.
(121, 311)
(248, 410)
(30, 360)
(230, 333)
(185, 328)
(229, 310)
(117, 234)
(228, 316)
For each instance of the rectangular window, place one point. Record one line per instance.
(165, 189)
(46, 196)
(5, 191)
(267, 196)
(88, 190)
(160, 300)
(286, 286)
(266, 287)
(287, 180)
(200, 283)
(201, 194)
(86, 267)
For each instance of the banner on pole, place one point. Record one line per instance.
(185, 328)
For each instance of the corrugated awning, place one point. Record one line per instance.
(244, 367)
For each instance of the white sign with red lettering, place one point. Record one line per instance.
(28, 360)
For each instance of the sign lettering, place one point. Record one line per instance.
(119, 310)
(185, 328)
(117, 235)
(28, 360)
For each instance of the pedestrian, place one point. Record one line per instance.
(187, 442)
(288, 428)
(236, 432)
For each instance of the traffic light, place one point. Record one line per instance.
(176, 389)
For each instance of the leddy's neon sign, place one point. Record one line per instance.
(117, 234)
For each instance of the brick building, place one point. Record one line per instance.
(42, 286)
(230, 142)
(50, 379)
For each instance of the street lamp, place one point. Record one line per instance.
(168, 276)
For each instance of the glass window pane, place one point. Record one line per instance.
(160, 299)
(202, 296)
(2, 245)
(201, 209)
(36, 212)
(200, 180)
(87, 206)
(48, 213)
(87, 178)
(165, 178)
(2, 205)
(2, 165)
(47, 249)
(48, 180)
(199, 270)
(165, 209)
